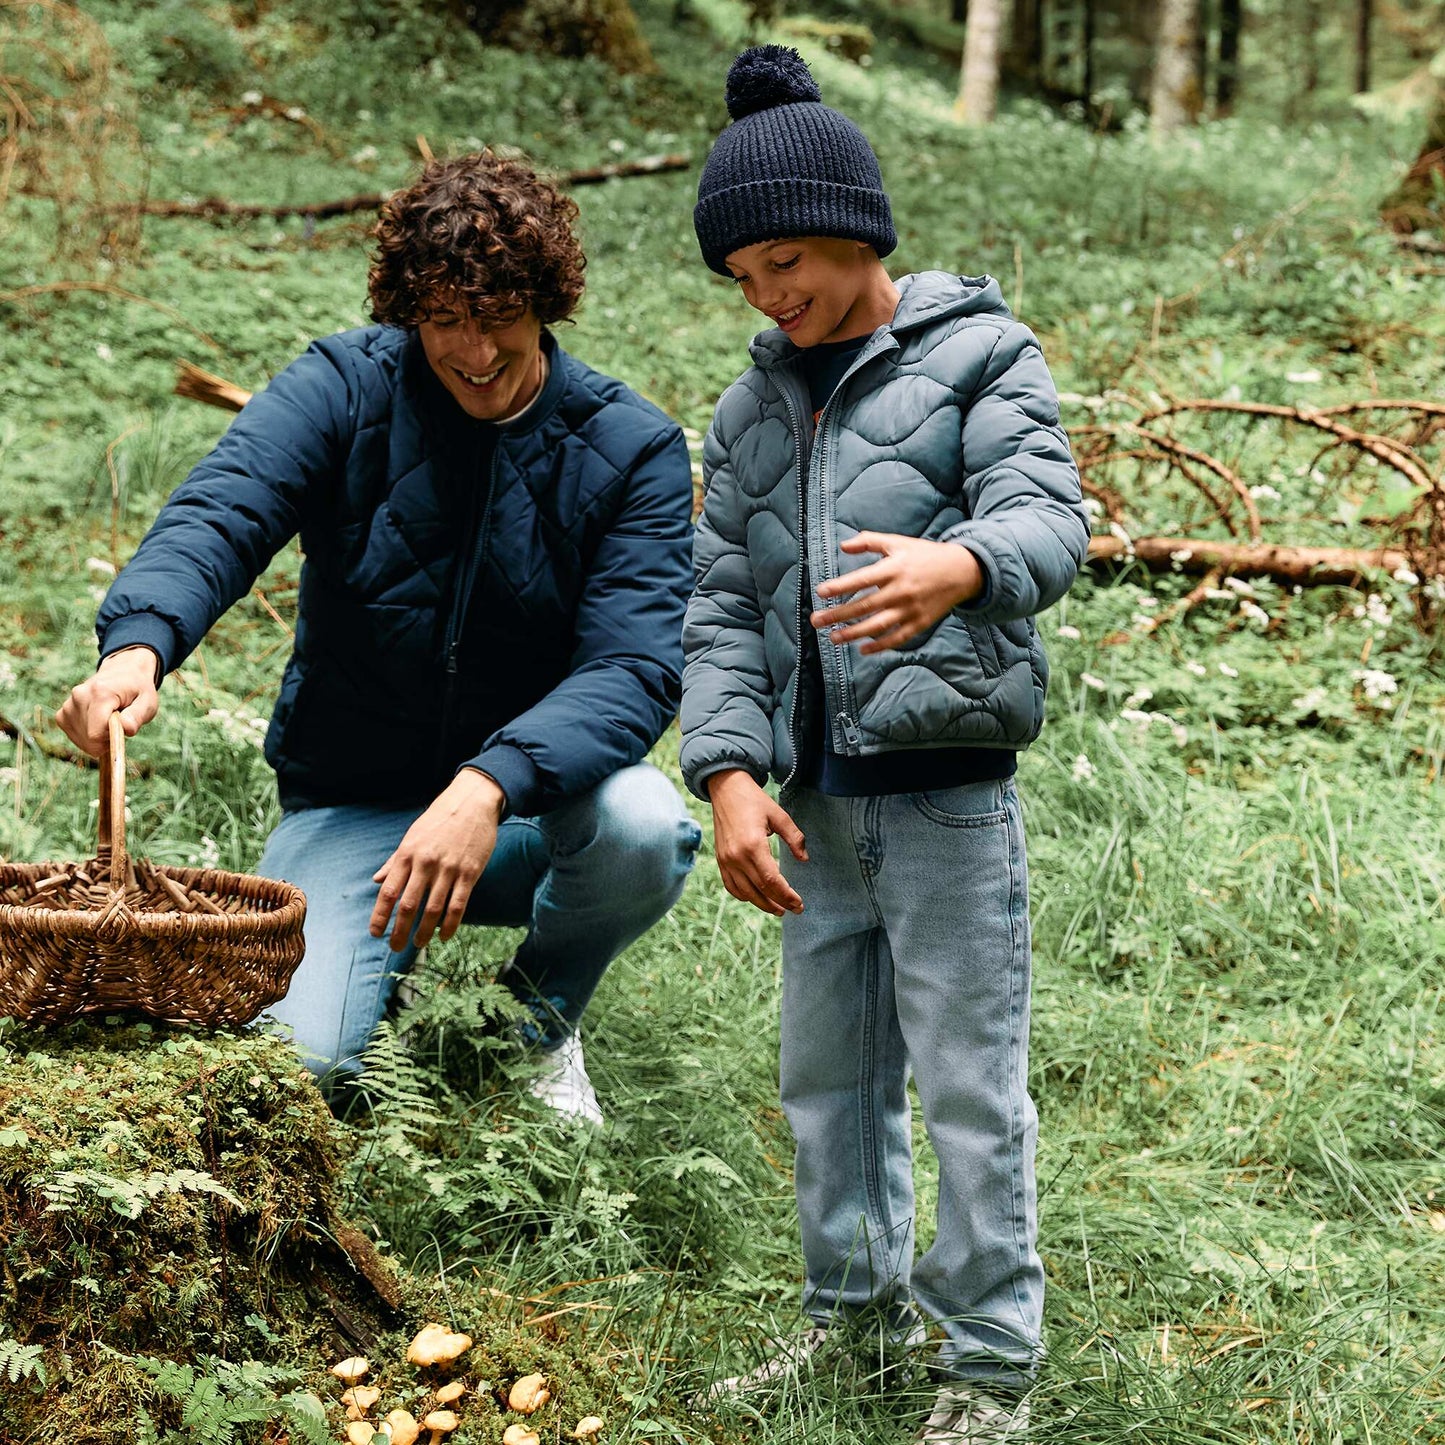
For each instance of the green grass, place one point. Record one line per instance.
(1237, 897)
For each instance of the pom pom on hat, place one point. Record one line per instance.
(768, 75)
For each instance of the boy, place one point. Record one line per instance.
(889, 499)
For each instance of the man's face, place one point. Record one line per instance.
(816, 288)
(492, 374)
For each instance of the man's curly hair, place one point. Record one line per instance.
(485, 235)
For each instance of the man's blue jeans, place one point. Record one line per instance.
(913, 952)
(584, 880)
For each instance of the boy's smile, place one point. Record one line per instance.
(816, 288)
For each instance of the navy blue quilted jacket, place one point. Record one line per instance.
(524, 618)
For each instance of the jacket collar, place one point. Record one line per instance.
(923, 298)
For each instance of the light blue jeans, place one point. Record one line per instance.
(584, 880)
(913, 952)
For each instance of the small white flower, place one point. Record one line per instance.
(1227, 670)
(1139, 697)
(251, 97)
(9, 777)
(1218, 594)
(1115, 530)
(364, 156)
(208, 855)
(1253, 611)
(1179, 731)
(1142, 622)
(1093, 506)
(1239, 585)
(1148, 603)
(104, 352)
(1376, 684)
(1303, 378)
(616, 145)
(295, 112)
(1097, 683)
(100, 566)
(1083, 769)
(1135, 716)
(97, 594)
(1197, 668)
(1181, 556)
(7, 675)
(1264, 493)
(1405, 575)
(1072, 633)
(1313, 700)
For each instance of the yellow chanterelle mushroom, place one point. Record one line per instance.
(588, 1428)
(403, 1427)
(351, 1370)
(440, 1422)
(437, 1345)
(529, 1394)
(520, 1435)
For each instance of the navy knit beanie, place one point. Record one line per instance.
(787, 165)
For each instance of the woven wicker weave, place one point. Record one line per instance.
(187, 945)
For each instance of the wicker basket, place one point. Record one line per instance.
(186, 945)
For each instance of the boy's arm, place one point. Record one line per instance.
(726, 693)
(1027, 525)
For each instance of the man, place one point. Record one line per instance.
(496, 545)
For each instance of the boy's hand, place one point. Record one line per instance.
(744, 817)
(916, 583)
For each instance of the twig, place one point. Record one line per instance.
(104, 288)
(216, 208)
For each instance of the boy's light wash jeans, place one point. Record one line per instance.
(584, 880)
(912, 951)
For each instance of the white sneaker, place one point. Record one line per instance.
(563, 1084)
(781, 1358)
(965, 1416)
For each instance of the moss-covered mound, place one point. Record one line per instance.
(169, 1195)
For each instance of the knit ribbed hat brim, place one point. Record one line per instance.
(768, 210)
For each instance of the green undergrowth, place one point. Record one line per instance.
(1238, 873)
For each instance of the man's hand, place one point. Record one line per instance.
(916, 583)
(744, 817)
(438, 862)
(125, 683)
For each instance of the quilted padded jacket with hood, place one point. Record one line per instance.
(523, 617)
(946, 427)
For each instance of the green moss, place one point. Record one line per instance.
(167, 1194)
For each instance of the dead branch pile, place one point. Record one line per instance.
(1378, 468)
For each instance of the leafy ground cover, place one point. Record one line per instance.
(1237, 858)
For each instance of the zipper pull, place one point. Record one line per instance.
(851, 734)
(452, 658)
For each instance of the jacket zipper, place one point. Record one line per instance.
(852, 735)
(479, 529)
(799, 441)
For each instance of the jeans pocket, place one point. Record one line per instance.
(970, 805)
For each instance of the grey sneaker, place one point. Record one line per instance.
(963, 1415)
(563, 1085)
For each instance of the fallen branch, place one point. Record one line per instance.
(215, 208)
(1332, 566)
(196, 384)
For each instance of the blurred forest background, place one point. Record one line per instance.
(1226, 221)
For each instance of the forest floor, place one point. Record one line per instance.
(1236, 849)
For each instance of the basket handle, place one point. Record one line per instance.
(112, 804)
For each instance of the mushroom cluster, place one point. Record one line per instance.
(435, 1345)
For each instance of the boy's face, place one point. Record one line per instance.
(491, 374)
(814, 288)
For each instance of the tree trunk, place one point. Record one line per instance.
(1227, 84)
(1364, 18)
(1174, 95)
(978, 82)
(1414, 205)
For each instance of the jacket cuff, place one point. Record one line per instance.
(142, 629)
(697, 781)
(515, 774)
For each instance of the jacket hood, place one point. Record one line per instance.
(923, 298)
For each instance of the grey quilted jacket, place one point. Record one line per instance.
(947, 426)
